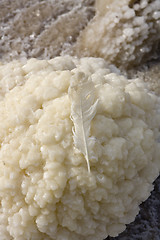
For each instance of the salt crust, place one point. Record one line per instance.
(45, 189)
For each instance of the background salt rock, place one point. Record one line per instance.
(125, 33)
(41, 29)
(45, 29)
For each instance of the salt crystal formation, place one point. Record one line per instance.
(41, 29)
(124, 33)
